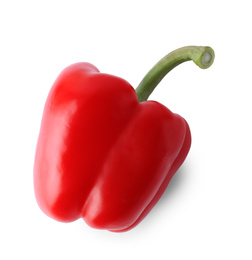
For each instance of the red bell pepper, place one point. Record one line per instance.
(104, 153)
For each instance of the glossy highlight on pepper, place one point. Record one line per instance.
(105, 153)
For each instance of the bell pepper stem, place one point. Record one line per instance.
(202, 56)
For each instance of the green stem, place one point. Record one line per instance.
(202, 56)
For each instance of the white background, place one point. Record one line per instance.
(206, 211)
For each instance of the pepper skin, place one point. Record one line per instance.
(101, 154)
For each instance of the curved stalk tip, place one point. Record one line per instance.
(206, 58)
